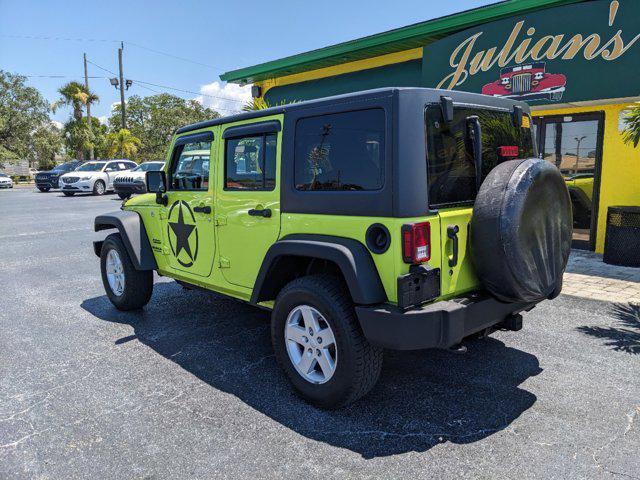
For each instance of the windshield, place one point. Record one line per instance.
(3, 175)
(148, 167)
(90, 167)
(450, 164)
(65, 167)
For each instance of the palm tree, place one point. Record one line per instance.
(75, 95)
(123, 144)
(631, 134)
(262, 104)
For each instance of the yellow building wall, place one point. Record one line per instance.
(620, 177)
(348, 67)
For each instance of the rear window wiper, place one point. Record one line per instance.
(474, 133)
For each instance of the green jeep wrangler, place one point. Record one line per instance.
(400, 218)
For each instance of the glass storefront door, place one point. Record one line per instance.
(573, 143)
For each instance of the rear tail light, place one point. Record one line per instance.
(509, 151)
(416, 242)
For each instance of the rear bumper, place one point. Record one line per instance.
(437, 325)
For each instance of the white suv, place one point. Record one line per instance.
(94, 177)
(134, 181)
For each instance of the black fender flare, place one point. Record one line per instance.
(133, 234)
(351, 256)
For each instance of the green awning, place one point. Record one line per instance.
(397, 40)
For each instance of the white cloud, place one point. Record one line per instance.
(103, 119)
(57, 124)
(225, 98)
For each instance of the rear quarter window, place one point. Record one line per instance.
(340, 151)
(451, 172)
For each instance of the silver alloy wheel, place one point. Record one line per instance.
(115, 272)
(99, 187)
(311, 344)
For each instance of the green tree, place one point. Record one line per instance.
(122, 144)
(22, 111)
(631, 133)
(47, 143)
(79, 139)
(76, 96)
(155, 119)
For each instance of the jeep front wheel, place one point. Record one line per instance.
(319, 344)
(126, 287)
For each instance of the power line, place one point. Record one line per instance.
(43, 37)
(102, 68)
(56, 76)
(189, 91)
(71, 39)
(232, 110)
(173, 56)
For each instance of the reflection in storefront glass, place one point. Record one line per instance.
(572, 146)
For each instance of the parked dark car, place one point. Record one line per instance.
(45, 181)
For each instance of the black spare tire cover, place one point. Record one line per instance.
(521, 231)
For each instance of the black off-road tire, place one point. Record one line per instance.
(124, 196)
(69, 194)
(359, 363)
(138, 283)
(97, 191)
(44, 189)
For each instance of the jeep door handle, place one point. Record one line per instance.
(206, 209)
(265, 212)
(452, 233)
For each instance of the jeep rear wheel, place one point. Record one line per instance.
(126, 287)
(99, 188)
(319, 344)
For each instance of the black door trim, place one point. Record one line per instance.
(599, 116)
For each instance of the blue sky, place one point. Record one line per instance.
(221, 35)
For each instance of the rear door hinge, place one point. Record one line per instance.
(224, 262)
(221, 219)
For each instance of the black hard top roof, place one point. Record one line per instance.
(432, 93)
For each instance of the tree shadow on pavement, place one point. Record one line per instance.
(423, 398)
(625, 337)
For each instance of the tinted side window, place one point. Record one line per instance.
(250, 162)
(342, 151)
(190, 166)
(450, 163)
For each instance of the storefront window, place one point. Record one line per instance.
(571, 143)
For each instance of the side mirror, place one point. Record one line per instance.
(157, 183)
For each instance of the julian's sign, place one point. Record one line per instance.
(584, 51)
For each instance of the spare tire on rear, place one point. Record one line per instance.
(521, 231)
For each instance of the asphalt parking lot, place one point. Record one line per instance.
(189, 387)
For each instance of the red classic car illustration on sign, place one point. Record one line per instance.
(527, 82)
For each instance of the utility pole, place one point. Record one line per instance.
(86, 85)
(122, 108)
(579, 140)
